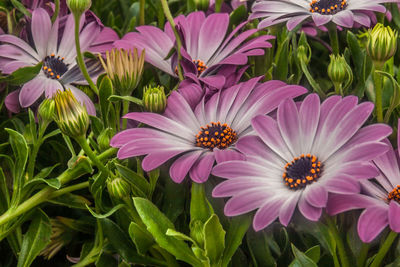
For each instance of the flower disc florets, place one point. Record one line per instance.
(395, 194)
(217, 135)
(327, 7)
(302, 171)
(54, 67)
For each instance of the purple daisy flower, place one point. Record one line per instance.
(344, 13)
(57, 52)
(206, 48)
(380, 198)
(198, 138)
(295, 160)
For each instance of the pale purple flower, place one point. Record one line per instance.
(197, 138)
(344, 13)
(56, 49)
(207, 47)
(380, 198)
(296, 160)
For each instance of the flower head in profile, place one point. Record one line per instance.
(196, 138)
(380, 198)
(56, 50)
(206, 46)
(343, 13)
(296, 160)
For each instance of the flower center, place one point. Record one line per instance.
(217, 135)
(327, 7)
(200, 65)
(54, 67)
(302, 171)
(395, 194)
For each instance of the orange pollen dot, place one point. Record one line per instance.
(221, 136)
(394, 195)
(302, 171)
(200, 66)
(327, 7)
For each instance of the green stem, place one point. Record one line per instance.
(311, 80)
(141, 12)
(363, 255)
(384, 249)
(79, 57)
(333, 36)
(90, 257)
(92, 156)
(68, 189)
(339, 242)
(171, 21)
(43, 195)
(56, 11)
(378, 79)
(125, 110)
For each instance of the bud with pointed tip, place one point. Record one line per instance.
(382, 43)
(72, 118)
(46, 111)
(78, 7)
(118, 188)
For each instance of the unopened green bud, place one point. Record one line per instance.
(340, 73)
(382, 43)
(202, 4)
(303, 54)
(154, 99)
(72, 118)
(118, 188)
(46, 111)
(78, 7)
(124, 68)
(104, 138)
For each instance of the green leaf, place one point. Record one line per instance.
(71, 201)
(301, 259)
(314, 253)
(106, 260)
(21, 8)
(4, 194)
(200, 208)
(142, 239)
(108, 214)
(105, 90)
(116, 98)
(214, 239)
(238, 15)
(173, 200)
(35, 240)
(237, 229)
(53, 182)
(125, 248)
(158, 224)
(179, 236)
(46, 171)
(137, 181)
(259, 249)
(22, 75)
(51, 134)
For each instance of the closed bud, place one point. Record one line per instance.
(124, 68)
(46, 111)
(154, 99)
(72, 118)
(118, 188)
(340, 73)
(303, 54)
(104, 138)
(382, 43)
(78, 7)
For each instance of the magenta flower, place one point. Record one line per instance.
(295, 160)
(344, 13)
(206, 46)
(197, 138)
(380, 198)
(57, 52)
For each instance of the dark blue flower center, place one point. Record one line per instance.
(395, 194)
(216, 135)
(302, 171)
(54, 67)
(327, 7)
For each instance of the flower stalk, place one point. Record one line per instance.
(384, 249)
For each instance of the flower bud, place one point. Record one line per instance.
(46, 111)
(72, 118)
(78, 7)
(104, 138)
(304, 54)
(382, 43)
(118, 188)
(340, 73)
(154, 99)
(124, 68)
